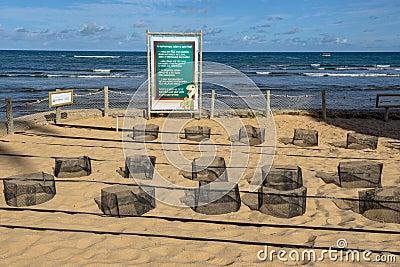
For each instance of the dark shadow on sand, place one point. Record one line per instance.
(206, 221)
(184, 238)
(5, 149)
(63, 125)
(366, 125)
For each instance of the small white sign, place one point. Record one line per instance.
(60, 98)
(388, 101)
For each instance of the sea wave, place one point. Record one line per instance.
(263, 72)
(281, 66)
(112, 73)
(351, 68)
(53, 76)
(74, 75)
(8, 75)
(102, 70)
(383, 66)
(108, 70)
(105, 76)
(220, 73)
(275, 73)
(322, 74)
(77, 56)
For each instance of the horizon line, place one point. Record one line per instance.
(144, 51)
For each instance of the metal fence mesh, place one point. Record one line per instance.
(258, 103)
(3, 113)
(92, 100)
(38, 111)
(307, 102)
(28, 114)
(254, 102)
(121, 100)
(350, 102)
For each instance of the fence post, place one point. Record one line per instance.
(58, 112)
(268, 103)
(10, 119)
(323, 105)
(105, 101)
(386, 116)
(212, 104)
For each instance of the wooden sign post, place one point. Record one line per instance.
(58, 99)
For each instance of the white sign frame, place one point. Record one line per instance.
(174, 105)
(388, 101)
(61, 98)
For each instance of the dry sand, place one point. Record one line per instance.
(85, 237)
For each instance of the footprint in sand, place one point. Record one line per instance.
(344, 219)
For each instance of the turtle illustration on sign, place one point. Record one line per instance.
(188, 101)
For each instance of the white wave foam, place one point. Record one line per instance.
(99, 76)
(97, 56)
(105, 76)
(349, 68)
(321, 74)
(102, 70)
(55, 76)
(219, 73)
(263, 72)
(383, 66)
(140, 76)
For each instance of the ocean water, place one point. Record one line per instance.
(351, 80)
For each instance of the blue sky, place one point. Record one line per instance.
(228, 25)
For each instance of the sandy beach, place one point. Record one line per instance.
(70, 230)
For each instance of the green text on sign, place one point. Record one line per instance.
(174, 69)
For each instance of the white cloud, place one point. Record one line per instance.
(331, 39)
(210, 31)
(92, 29)
(144, 1)
(292, 31)
(192, 9)
(140, 24)
(261, 28)
(20, 29)
(70, 24)
(247, 38)
(276, 18)
(341, 41)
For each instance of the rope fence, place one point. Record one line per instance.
(100, 101)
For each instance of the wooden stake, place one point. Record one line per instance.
(386, 118)
(10, 119)
(212, 104)
(268, 103)
(323, 105)
(105, 101)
